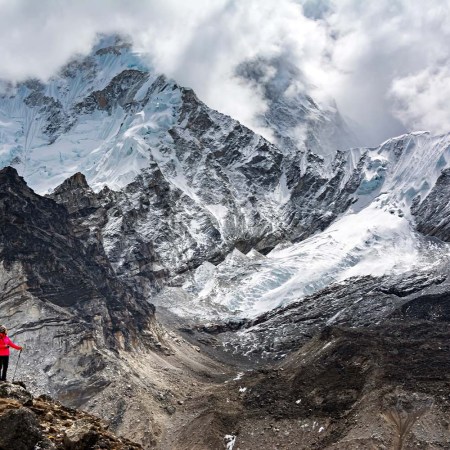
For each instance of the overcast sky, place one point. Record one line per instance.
(385, 62)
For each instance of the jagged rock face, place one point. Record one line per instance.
(155, 229)
(60, 268)
(216, 186)
(197, 203)
(60, 295)
(432, 215)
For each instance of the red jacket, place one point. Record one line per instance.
(5, 343)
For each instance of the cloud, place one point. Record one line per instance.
(423, 99)
(380, 60)
(378, 43)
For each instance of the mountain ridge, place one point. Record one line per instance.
(271, 259)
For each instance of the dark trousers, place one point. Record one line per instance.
(4, 361)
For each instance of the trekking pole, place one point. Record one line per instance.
(17, 364)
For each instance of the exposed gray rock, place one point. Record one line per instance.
(19, 429)
(238, 191)
(16, 392)
(119, 92)
(61, 297)
(432, 215)
(80, 436)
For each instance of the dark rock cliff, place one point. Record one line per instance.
(433, 214)
(61, 268)
(61, 297)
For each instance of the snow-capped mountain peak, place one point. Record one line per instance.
(193, 185)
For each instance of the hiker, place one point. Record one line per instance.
(5, 343)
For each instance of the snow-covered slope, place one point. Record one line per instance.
(375, 236)
(374, 241)
(109, 114)
(89, 118)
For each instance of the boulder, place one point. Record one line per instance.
(80, 436)
(19, 429)
(16, 392)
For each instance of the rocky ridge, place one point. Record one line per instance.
(63, 302)
(197, 177)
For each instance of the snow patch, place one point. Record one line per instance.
(230, 441)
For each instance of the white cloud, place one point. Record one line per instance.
(367, 55)
(377, 43)
(423, 99)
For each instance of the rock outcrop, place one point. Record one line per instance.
(28, 423)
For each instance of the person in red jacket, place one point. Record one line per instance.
(5, 343)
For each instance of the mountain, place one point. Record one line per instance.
(187, 175)
(380, 231)
(306, 261)
(220, 186)
(109, 115)
(292, 115)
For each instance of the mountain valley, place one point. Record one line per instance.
(198, 286)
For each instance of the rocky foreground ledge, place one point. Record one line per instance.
(28, 423)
